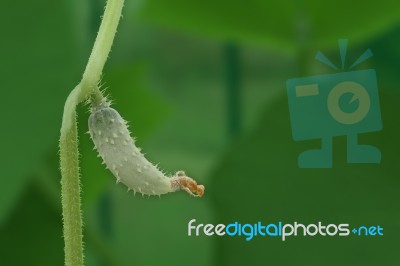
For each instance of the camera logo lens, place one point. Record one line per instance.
(359, 94)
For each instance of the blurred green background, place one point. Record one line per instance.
(203, 86)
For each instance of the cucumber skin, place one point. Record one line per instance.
(117, 148)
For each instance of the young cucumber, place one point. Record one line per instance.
(112, 139)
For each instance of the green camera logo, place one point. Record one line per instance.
(340, 104)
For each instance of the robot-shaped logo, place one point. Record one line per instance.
(324, 106)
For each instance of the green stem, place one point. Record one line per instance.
(70, 196)
(69, 154)
(103, 43)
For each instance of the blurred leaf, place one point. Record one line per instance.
(39, 66)
(32, 234)
(140, 106)
(277, 24)
(386, 59)
(153, 231)
(259, 180)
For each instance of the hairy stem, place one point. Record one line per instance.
(70, 195)
(69, 154)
